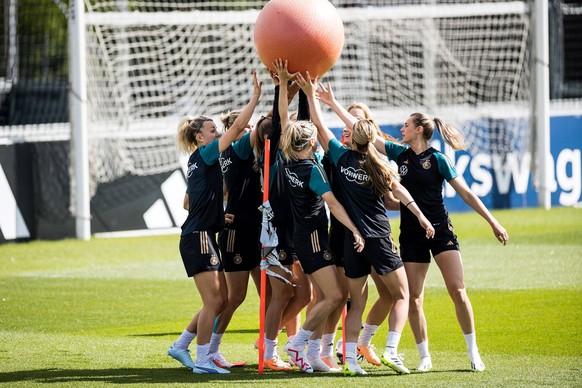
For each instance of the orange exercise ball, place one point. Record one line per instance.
(309, 34)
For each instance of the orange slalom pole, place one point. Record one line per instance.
(344, 313)
(263, 290)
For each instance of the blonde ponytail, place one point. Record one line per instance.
(382, 175)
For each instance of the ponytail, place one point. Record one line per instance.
(449, 133)
(382, 175)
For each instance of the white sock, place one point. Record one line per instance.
(367, 333)
(270, 346)
(301, 338)
(202, 354)
(215, 341)
(184, 340)
(351, 350)
(423, 349)
(313, 348)
(327, 341)
(392, 342)
(471, 340)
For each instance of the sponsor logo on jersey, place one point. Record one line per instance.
(358, 176)
(191, 168)
(403, 170)
(450, 243)
(293, 179)
(225, 163)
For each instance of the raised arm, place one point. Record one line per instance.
(309, 87)
(284, 78)
(243, 118)
(327, 97)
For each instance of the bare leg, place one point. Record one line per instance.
(416, 273)
(451, 266)
(212, 288)
(237, 291)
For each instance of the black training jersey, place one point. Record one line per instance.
(365, 208)
(423, 176)
(307, 182)
(242, 182)
(336, 189)
(204, 189)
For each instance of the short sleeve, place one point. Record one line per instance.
(446, 167)
(242, 147)
(393, 149)
(335, 150)
(319, 183)
(209, 152)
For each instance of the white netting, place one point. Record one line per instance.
(465, 62)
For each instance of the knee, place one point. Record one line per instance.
(220, 304)
(236, 300)
(415, 303)
(336, 300)
(459, 295)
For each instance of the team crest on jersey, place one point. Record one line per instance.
(403, 170)
(426, 164)
(326, 255)
(358, 176)
(282, 255)
(293, 179)
(213, 260)
(224, 164)
(237, 259)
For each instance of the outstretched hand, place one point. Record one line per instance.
(325, 95)
(308, 86)
(283, 72)
(257, 85)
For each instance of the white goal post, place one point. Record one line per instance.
(470, 63)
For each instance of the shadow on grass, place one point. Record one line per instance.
(158, 376)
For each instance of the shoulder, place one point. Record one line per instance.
(445, 165)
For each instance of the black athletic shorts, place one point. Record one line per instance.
(199, 252)
(240, 248)
(285, 247)
(313, 250)
(416, 248)
(336, 243)
(380, 253)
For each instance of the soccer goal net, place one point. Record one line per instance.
(151, 62)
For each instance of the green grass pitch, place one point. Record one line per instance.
(104, 312)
